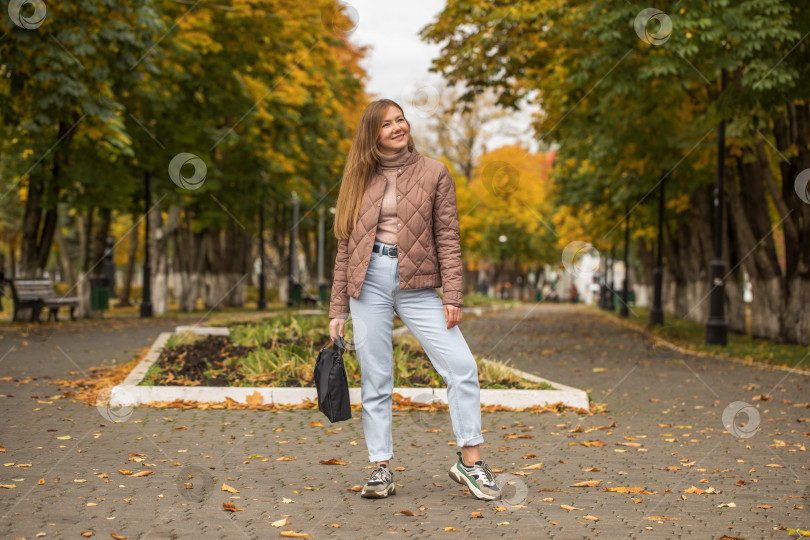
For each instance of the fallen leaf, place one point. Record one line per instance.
(569, 508)
(622, 489)
(285, 500)
(292, 533)
(332, 461)
(592, 518)
(229, 489)
(284, 458)
(766, 506)
(535, 466)
(592, 443)
(586, 483)
(528, 456)
(229, 506)
(280, 523)
(142, 473)
(409, 513)
(476, 514)
(315, 423)
(727, 505)
(254, 400)
(355, 488)
(118, 536)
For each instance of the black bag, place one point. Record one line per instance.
(331, 382)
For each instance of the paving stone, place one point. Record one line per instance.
(643, 387)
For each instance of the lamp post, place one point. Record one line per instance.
(502, 239)
(656, 311)
(146, 294)
(612, 284)
(262, 304)
(292, 297)
(717, 327)
(624, 310)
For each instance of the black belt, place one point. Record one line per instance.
(390, 251)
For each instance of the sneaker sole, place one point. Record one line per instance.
(390, 490)
(456, 475)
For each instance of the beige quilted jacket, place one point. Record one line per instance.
(428, 236)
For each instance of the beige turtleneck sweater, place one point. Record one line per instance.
(387, 226)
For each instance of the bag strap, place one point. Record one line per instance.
(339, 344)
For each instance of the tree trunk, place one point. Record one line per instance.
(64, 257)
(132, 256)
(161, 232)
(85, 235)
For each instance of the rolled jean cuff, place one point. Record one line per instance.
(380, 457)
(470, 442)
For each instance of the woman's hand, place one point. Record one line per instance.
(335, 327)
(453, 315)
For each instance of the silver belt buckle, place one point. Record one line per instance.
(394, 250)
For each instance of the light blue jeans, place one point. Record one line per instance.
(423, 313)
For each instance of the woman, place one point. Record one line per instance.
(396, 223)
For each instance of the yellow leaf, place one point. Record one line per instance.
(229, 489)
(586, 483)
(254, 400)
(293, 534)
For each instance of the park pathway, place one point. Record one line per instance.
(662, 435)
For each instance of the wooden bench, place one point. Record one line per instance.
(36, 294)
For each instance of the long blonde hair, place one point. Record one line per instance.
(360, 165)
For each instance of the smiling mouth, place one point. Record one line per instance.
(398, 137)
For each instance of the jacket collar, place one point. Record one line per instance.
(413, 159)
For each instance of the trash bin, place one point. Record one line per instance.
(99, 294)
(298, 294)
(617, 298)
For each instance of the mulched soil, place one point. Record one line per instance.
(191, 361)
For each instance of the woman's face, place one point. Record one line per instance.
(394, 131)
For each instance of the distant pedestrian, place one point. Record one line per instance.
(396, 223)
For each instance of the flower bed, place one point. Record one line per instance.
(281, 352)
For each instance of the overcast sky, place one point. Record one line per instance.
(398, 62)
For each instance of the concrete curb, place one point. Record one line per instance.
(700, 354)
(129, 394)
